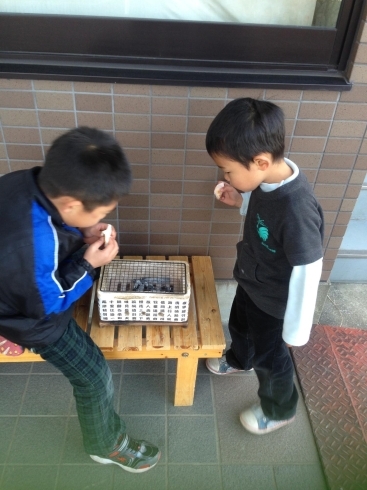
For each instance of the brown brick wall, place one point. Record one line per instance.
(171, 209)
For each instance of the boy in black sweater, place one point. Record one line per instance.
(279, 260)
(48, 216)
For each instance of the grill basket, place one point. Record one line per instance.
(144, 291)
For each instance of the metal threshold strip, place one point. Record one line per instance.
(352, 254)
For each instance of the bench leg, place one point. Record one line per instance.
(185, 381)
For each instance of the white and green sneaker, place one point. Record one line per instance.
(255, 421)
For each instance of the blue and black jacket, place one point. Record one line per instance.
(40, 279)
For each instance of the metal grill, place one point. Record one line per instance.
(144, 276)
(144, 291)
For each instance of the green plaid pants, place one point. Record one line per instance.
(82, 362)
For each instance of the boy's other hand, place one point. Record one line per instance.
(97, 256)
(93, 233)
(229, 195)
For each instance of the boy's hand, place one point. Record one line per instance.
(93, 233)
(229, 195)
(97, 256)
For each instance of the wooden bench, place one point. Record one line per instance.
(202, 338)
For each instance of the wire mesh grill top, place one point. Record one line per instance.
(144, 276)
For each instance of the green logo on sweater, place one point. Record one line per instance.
(263, 232)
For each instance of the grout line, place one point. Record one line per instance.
(6, 459)
(38, 121)
(217, 439)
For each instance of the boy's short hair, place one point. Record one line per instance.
(87, 164)
(245, 128)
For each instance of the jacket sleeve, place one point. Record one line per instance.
(60, 288)
(301, 303)
(58, 285)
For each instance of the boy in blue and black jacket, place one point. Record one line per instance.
(50, 248)
(279, 260)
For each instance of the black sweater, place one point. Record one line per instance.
(283, 229)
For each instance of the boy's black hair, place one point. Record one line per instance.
(87, 164)
(245, 128)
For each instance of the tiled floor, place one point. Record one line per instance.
(203, 446)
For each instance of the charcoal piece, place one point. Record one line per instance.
(138, 286)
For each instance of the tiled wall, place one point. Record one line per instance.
(171, 209)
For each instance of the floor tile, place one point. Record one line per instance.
(115, 366)
(203, 401)
(7, 425)
(144, 366)
(15, 367)
(232, 395)
(243, 476)
(154, 479)
(47, 395)
(191, 439)
(38, 440)
(23, 477)
(143, 394)
(73, 450)
(12, 389)
(301, 477)
(44, 367)
(200, 477)
(78, 477)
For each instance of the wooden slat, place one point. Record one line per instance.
(158, 337)
(103, 337)
(133, 257)
(207, 307)
(186, 337)
(129, 338)
(27, 356)
(156, 257)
